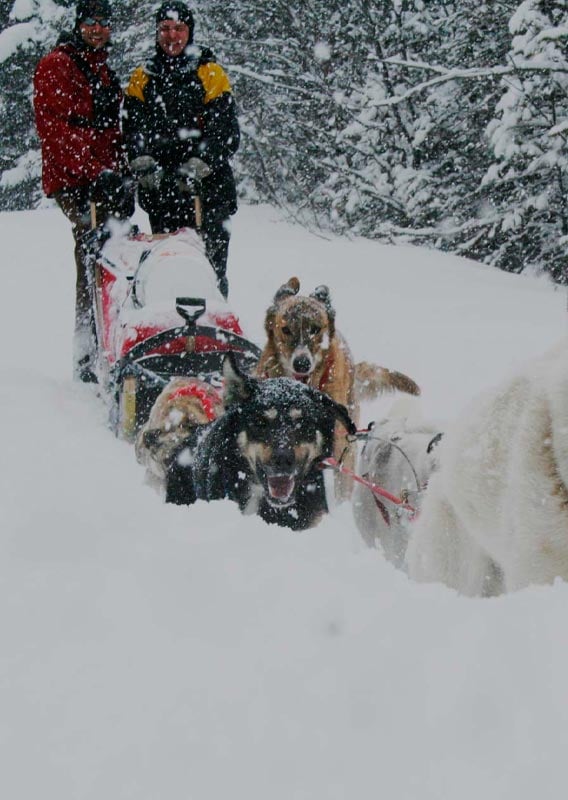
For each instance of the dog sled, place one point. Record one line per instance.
(158, 315)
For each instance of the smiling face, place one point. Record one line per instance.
(94, 33)
(301, 332)
(281, 444)
(282, 430)
(173, 37)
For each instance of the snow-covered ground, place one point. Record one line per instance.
(149, 651)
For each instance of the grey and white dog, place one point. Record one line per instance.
(399, 456)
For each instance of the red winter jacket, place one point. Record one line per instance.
(73, 153)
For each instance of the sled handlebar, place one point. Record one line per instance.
(190, 308)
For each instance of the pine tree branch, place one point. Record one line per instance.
(444, 76)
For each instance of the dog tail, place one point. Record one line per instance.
(372, 380)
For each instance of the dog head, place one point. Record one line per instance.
(300, 329)
(183, 405)
(283, 429)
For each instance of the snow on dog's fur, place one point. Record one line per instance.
(399, 456)
(303, 343)
(264, 452)
(495, 517)
(181, 408)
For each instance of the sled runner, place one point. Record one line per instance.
(158, 314)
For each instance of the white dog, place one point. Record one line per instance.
(495, 517)
(399, 456)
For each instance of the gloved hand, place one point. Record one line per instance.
(105, 186)
(147, 172)
(195, 169)
(113, 194)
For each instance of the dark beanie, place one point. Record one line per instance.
(92, 8)
(176, 10)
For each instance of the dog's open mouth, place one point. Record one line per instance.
(281, 488)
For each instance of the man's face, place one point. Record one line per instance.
(94, 33)
(173, 37)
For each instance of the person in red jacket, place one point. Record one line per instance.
(77, 102)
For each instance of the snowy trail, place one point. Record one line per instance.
(151, 651)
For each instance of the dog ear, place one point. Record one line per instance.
(340, 413)
(322, 295)
(288, 289)
(238, 386)
(337, 410)
(434, 442)
(269, 321)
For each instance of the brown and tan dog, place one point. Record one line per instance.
(303, 343)
(183, 406)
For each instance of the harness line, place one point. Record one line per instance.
(378, 491)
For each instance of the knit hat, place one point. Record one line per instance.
(92, 8)
(178, 11)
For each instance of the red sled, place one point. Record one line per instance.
(158, 315)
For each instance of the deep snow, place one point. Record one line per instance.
(150, 651)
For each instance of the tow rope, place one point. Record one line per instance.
(377, 491)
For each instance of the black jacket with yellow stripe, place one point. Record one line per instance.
(176, 108)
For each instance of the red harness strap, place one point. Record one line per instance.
(204, 397)
(326, 372)
(378, 491)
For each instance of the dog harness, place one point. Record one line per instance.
(378, 491)
(202, 395)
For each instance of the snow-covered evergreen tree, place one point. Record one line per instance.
(429, 121)
(29, 28)
(282, 59)
(378, 183)
(528, 179)
(417, 129)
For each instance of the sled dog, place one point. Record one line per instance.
(183, 406)
(263, 452)
(495, 517)
(303, 343)
(399, 456)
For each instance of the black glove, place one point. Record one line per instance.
(106, 186)
(113, 194)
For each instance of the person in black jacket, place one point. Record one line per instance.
(180, 128)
